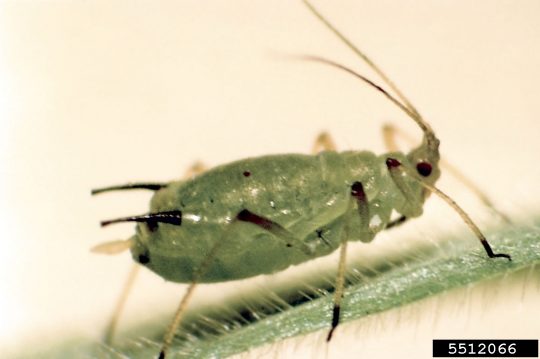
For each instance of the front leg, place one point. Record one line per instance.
(359, 200)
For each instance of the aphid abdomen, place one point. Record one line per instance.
(306, 195)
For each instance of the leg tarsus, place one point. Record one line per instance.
(338, 293)
(396, 222)
(490, 253)
(468, 221)
(335, 321)
(169, 334)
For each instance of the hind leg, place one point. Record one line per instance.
(196, 169)
(323, 142)
(359, 200)
(244, 216)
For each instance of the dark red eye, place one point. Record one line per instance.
(423, 168)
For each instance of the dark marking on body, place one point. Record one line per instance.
(357, 191)
(246, 173)
(267, 224)
(320, 232)
(247, 216)
(144, 258)
(152, 225)
(392, 163)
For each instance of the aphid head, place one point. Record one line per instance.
(425, 160)
(409, 176)
(426, 156)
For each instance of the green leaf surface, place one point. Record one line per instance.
(406, 278)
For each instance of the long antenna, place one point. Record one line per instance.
(363, 56)
(369, 82)
(431, 139)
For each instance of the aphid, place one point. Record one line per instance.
(262, 215)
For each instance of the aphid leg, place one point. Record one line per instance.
(323, 142)
(115, 247)
(358, 199)
(274, 228)
(467, 220)
(110, 331)
(171, 330)
(396, 170)
(195, 169)
(390, 132)
(396, 222)
(454, 171)
(338, 293)
(203, 267)
(152, 220)
(169, 334)
(389, 137)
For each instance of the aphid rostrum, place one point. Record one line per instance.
(261, 215)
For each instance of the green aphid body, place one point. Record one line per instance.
(309, 196)
(261, 215)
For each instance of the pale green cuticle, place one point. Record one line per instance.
(299, 192)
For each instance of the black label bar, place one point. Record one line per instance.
(487, 348)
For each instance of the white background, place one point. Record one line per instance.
(94, 93)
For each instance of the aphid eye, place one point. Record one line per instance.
(424, 168)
